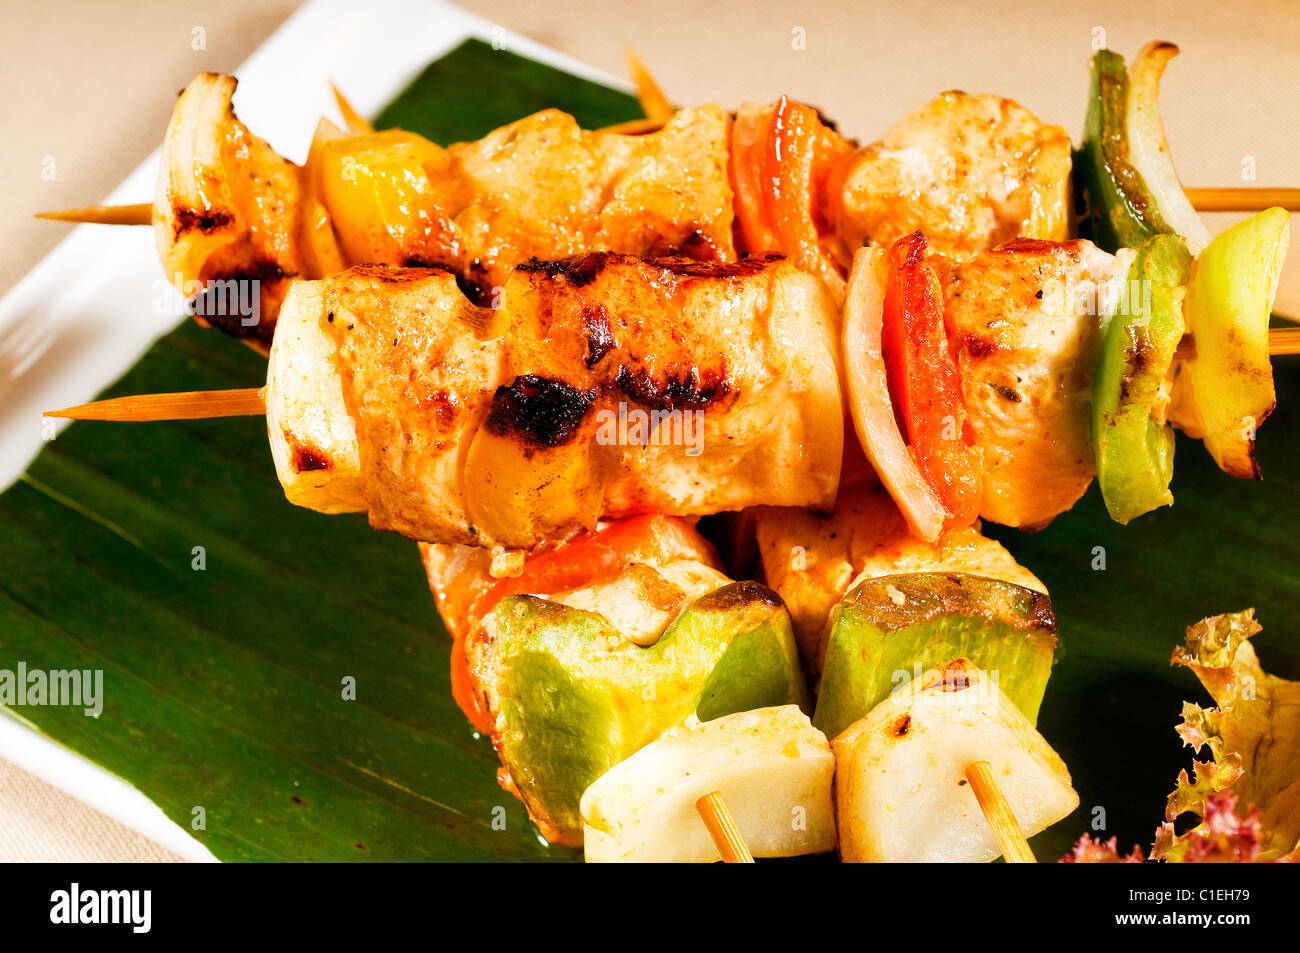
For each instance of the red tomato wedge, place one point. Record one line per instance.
(870, 403)
(792, 151)
(462, 689)
(591, 558)
(779, 156)
(926, 383)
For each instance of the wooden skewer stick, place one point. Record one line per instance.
(652, 98)
(1243, 199)
(357, 124)
(141, 214)
(185, 405)
(1280, 341)
(1284, 341)
(722, 827)
(997, 811)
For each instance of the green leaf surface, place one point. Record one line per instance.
(223, 687)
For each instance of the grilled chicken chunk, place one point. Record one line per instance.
(813, 561)
(1023, 319)
(542, 187)
(970, 171)
(228, 208)
(603, 386)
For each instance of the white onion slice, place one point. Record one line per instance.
(1148, 150)
(870, 404)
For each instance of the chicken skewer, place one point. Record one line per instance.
(410, 189)
(481, 208)
(251, 401)
(1020, 395)
(389, 393)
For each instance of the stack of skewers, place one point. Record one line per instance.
(546, 354)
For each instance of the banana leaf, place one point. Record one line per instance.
(229, 625)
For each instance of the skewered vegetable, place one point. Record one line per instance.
(1133, 443)
(772, 767)
(637, 574)
(1126, 176)
(226, 206)
(870, 402)
(1225, 390)
(542, 187)
(892, 628)
(924, 379)
(568, 696)
(780, 157)
(1148, 150)
(901, 788)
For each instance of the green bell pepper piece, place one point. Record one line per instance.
(1118, 208)
(891, 628)
(1134, 449)
(573, 697)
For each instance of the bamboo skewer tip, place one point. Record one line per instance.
(357, 124)
(654, 102)
(997, 811)
(141, 214)
(722, 828)
(184, 405)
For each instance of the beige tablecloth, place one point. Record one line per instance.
(91, 84)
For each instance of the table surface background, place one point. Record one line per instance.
(92, 84)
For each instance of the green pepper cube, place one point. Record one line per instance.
(891, 629)
(1134, 446)
(572, 697)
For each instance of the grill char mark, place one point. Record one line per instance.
(581, 270)
(541, 412)
(679, 387)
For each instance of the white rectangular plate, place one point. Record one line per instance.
(90, 309)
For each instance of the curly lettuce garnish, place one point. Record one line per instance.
(1253, 736)
(1089, 851)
